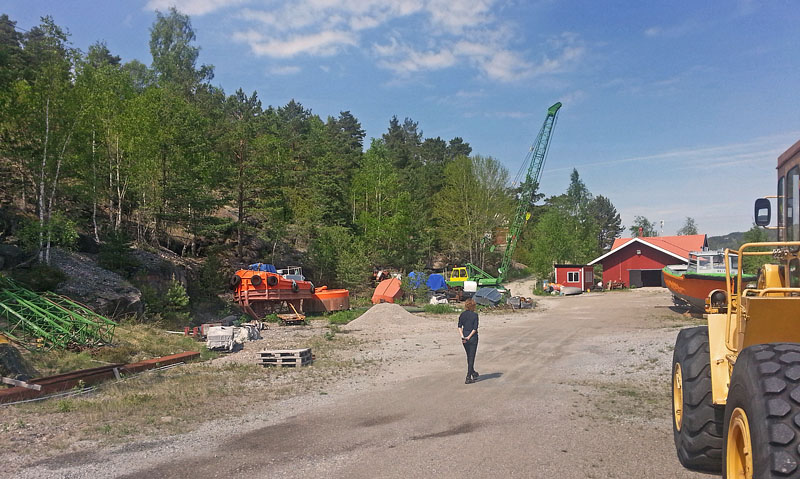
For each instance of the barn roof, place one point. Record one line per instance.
(676, 246)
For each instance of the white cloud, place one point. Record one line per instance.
(325, 43)
(285, 70)
(192, 7)
(405, 37)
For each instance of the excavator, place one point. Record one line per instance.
(535, 159)
(736, 380)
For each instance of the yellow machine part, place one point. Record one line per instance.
(772, 317)
(459, 274)
(771, 277)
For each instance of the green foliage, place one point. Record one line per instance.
(419, 294)
(338, 258)
(115, 253)
(648, 228)
(344, 317)
(440, 309)
(177, 299)
(467, 209)
(751, 264)
(61, 231)
(689, 227)
(559, 238)
(39, 277)
(607, 220)
(211, 280)
(170, 308)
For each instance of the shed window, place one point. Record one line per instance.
(573, 276)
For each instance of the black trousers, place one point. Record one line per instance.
(471, 347)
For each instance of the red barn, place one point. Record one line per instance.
(578, 275)
(638, 261)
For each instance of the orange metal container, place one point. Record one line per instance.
(326, 300)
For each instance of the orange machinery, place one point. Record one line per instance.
(260, 293)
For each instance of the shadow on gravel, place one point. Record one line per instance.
(484, 377)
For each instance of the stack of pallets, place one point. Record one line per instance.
(285, 357)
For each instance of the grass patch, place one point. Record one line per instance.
(158, 403)
(440, 309)
(133, 342)
(344, 317)
(628, 400)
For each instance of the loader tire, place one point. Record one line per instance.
(763, 413)
(696, 422)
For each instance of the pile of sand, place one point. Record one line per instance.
(384, 316)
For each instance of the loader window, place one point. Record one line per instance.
(793, 204)
(780, 209)
(794, 273)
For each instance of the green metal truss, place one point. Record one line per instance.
(48, 320)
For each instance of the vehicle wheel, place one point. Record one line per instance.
(272, 280)
(762, 417)
(696, 422)
(255, 280)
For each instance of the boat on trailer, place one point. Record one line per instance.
(261, 290)
(691, 283)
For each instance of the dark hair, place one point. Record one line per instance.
(470, 304)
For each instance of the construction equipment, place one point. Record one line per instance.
(537, 154)
(48, 320)
(736, 381)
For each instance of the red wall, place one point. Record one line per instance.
(587, 276)
(616, 266)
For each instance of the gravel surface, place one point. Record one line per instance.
(577, 388)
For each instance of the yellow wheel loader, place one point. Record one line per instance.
(736, 381)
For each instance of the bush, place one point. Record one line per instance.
(344, 317)
(211, 280)
(440, 309)
(115, 253)
(62, 233)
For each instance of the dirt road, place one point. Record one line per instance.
(577, 389)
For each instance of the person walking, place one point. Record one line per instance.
(468, 328)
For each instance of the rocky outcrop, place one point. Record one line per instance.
(101, 290)
(10, 256)
(13, 365)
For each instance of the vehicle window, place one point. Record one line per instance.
(792, 206)
(734, 263)
(794, 273)
(780, 209)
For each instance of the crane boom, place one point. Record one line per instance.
(536, 156)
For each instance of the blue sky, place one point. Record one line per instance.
(671, 109)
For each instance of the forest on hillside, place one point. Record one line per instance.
(94, 149)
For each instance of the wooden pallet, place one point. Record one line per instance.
(285, 357)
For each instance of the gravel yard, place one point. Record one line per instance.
(578, 387)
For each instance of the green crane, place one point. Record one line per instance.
(535, 159)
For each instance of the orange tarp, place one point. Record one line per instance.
(387, 291)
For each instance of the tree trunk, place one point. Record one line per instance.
(40, 199)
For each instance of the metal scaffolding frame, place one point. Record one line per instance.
(48, 320)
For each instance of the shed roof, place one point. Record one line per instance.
(676, 246)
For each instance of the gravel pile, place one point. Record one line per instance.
(384, 316)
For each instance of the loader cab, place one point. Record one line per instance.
(787, 198)
(459, 274)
